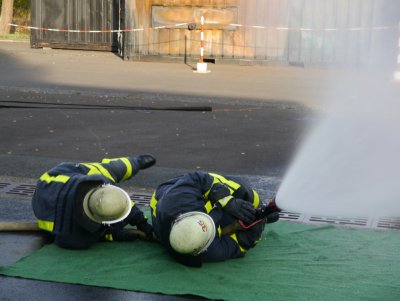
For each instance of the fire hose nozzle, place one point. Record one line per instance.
(267, 209)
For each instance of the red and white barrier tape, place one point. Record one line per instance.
(99, 31)
(302, 28)
(177, 25)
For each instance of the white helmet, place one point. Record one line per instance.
(192, 233)
(107, 204)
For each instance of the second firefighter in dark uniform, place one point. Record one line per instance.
(190, 213)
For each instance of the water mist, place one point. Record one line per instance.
(349, 164)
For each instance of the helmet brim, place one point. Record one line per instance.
(99, 219)
(186, 250)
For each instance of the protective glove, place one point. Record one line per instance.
(145, 161)
(241, 209)
(137, 218)
(147, 229)
(272, 217)
(123, 234)
(249, 238)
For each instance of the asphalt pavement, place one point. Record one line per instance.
(260, 115)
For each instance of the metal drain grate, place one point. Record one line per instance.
(362, 222)
(4, 185)
(324, 220)
(290, 216)
(29, 189)
(23, 189)
(17, 189)
(389, 223)
(142, 199)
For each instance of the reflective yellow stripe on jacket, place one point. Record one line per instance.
(127, 163)
(256, 199)
(48, 178)
(231, 185)
(46, 225)
(108, 237)
(234, 237)
(98, 169)
(153, 204)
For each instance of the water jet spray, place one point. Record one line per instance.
(349, 165)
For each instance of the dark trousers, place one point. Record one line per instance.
(77, 237)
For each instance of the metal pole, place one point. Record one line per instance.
(201, 65)
(202, 40)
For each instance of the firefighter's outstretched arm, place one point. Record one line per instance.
(221, 196)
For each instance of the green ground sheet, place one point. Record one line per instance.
(292, 262)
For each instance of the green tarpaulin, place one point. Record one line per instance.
(292, 262)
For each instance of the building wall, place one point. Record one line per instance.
(75, 15)
(315, 32)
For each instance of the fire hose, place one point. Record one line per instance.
(33, 227)
(268, 213)
(70, 106)
(18, 227)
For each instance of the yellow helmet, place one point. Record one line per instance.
(107, 204)
(192, 233)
